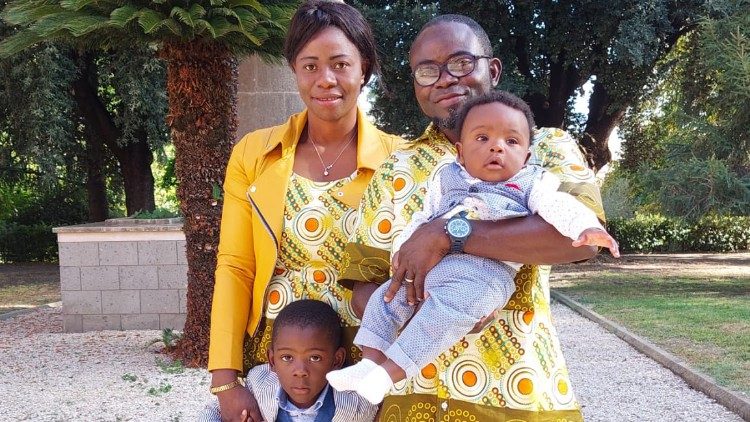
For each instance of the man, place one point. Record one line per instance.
(512, 368)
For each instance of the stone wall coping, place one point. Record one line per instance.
(125, 225)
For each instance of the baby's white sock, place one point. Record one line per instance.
(350, 377)
(375, 385)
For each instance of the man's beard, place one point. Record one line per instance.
(447, 123)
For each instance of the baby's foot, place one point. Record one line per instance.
(350, 377)
(375, 385)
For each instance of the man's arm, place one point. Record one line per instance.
(529, 240)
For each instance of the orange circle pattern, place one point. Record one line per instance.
(469, 378)
(312, 224)
(319, 276)
(525, 386)
(429, 371)
(274, 297)
(384, 226)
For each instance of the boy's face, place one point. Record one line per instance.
(494, 142)
(301, 358)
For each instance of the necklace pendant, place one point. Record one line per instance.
(326, 168)
(325, 172)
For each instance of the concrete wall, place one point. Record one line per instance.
(122, 277)
(267, 95)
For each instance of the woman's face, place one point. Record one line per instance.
(329, 73)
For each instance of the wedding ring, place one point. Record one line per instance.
(408, 280)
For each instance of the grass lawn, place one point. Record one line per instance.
(28, 285)
(703, 320)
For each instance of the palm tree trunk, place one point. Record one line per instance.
(202, 90)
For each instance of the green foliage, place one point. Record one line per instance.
(617, 196)
(721, 233)
(687, 149)
(243, 26)
(656, 233)
(129, 377)
(170, 366)
(27, 243)
(549, 51)
(169, 338)
(155, 214)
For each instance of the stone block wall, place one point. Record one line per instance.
(122, 276)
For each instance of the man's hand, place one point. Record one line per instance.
(235, 401)
(417, 256)
(598, 237)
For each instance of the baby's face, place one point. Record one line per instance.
(494, 142)
(301, 358)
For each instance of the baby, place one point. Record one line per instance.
(489, 181)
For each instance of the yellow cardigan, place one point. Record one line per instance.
(254, 198)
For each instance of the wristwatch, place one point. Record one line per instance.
(458, 229)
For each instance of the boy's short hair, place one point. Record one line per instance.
(502, 97)
(309, 313)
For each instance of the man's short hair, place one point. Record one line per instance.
(502, 97)
(308, 313)
(484, 40)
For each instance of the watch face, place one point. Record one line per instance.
(459, 227)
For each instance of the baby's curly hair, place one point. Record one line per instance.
(309, 313)
(502, 97)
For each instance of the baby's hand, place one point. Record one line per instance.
(598, 237)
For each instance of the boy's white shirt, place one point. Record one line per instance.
(265, 386)
(560, 209)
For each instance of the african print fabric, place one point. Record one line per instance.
(513, 369)
(316, 229)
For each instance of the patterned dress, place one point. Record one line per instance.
(513, 369)
(316, 229)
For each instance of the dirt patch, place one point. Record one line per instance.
(28, 285)
(668, 265)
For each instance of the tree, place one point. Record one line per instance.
(199, 40)
(65, 110)
(549, 50)
(688, 142)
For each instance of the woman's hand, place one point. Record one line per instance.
(417, 256)
(235, 401)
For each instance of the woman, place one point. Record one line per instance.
(290, 197)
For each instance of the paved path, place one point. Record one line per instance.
(614, 382)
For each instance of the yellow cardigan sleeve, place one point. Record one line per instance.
(235, 270)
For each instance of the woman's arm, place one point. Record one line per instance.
(235, 273)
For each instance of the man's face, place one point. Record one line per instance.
(301, 358)
(438, 44)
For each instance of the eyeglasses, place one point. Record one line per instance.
(427, 74)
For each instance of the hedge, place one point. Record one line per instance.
(656, 233)
(25, 243)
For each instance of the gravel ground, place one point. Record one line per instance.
(46, 375)
(614, 382)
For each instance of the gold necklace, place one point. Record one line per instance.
(327, 168)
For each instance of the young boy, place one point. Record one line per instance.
(305, 346)
(489, 181)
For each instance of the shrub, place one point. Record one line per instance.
(721, 234)
(24, 243)
(656, 233)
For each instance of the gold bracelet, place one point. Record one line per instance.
(225, 387)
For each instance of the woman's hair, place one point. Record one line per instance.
(308, 313)
(315, 15)
(502, 97)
